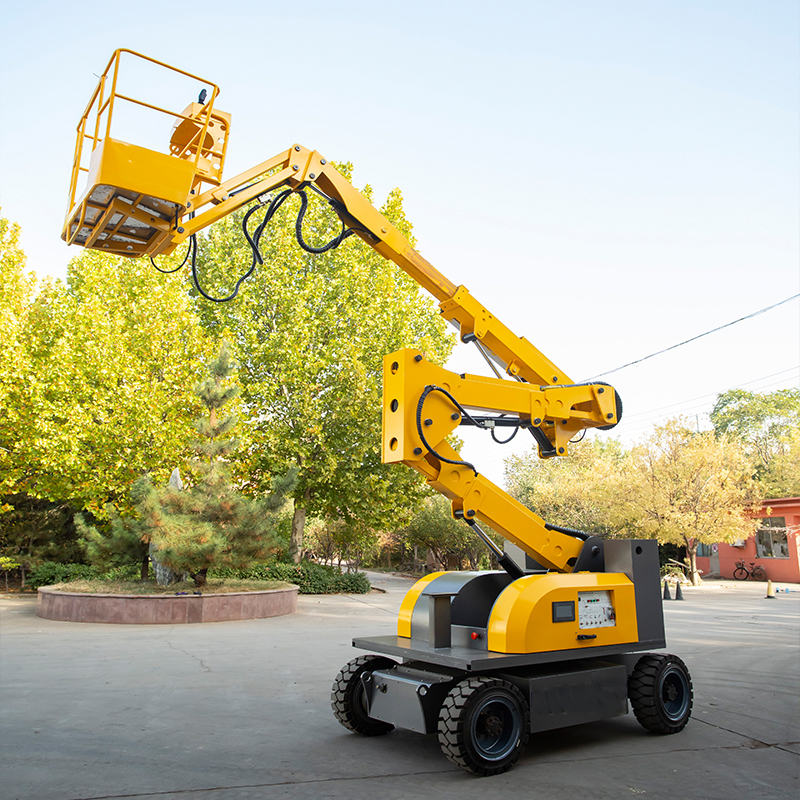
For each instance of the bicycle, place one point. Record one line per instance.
(756, 572)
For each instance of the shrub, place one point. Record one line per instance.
(310, 577)
(51, 572)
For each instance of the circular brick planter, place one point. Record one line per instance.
(164, 609)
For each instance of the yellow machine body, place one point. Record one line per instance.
(543, 613)
(481, 658)
(522, 619)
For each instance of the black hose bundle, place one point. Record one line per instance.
(254, 240)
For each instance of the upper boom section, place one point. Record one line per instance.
(139, 201)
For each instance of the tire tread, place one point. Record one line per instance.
(642, 691)
(342, 700)
(452, 725)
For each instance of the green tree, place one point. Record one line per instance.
(7, 565)
(310, 332)
(109, 360)
(17, 289)
(689, 488)
(330, 541)
(210, 524)
(33, 530)
(581, 491)
(782, 479)
(126, 539)
(769, 427)
(451, 542)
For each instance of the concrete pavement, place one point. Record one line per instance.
(240, 710)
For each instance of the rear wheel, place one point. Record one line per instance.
(660, 691)
(759, 573)
(348, 699)
(484, 725)
(740, 573)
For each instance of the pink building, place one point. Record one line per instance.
(775, 546)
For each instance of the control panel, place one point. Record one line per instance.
(595, 610)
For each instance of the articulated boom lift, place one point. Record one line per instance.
(485, 658)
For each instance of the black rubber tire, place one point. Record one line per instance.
(347, 696)
(660, 691)
(484, 725)
(740, 573)
(759, 573)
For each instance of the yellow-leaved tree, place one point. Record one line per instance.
(110, 360)
(688, 488)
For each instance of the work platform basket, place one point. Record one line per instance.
(133, 197)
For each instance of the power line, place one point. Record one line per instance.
(650, 419)
(695, 338)
(714, 394)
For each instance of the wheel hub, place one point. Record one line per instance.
(490, 725)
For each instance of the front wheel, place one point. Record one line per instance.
(484, 725)
(660, 691)
(759, 573)
(348, 700)
(740, 573)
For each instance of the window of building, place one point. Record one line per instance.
(704, 550)
(771, 538)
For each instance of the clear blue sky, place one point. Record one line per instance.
(609, 178)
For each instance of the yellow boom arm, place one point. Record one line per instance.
(143, 202)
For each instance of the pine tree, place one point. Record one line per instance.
(126, 543)
(209, 524)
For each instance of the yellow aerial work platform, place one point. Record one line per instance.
(481, 658)
(134, 196)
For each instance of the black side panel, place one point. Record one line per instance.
(571, 694)
(638, 559)
(473, 604)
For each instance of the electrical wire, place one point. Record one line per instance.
(181, 265)
(431, 388)
(254, 238)
(655, 412)
(695, 338)
(485, 423)
(644, 419)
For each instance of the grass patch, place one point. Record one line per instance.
(214, 586)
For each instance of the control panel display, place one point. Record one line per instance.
(564, 611)
(595, 610)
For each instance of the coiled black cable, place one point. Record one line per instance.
(486, 423)
(431, 388)
(298, 229)
(180, 266)
(254, 240)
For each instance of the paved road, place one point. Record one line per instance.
(240, 710)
